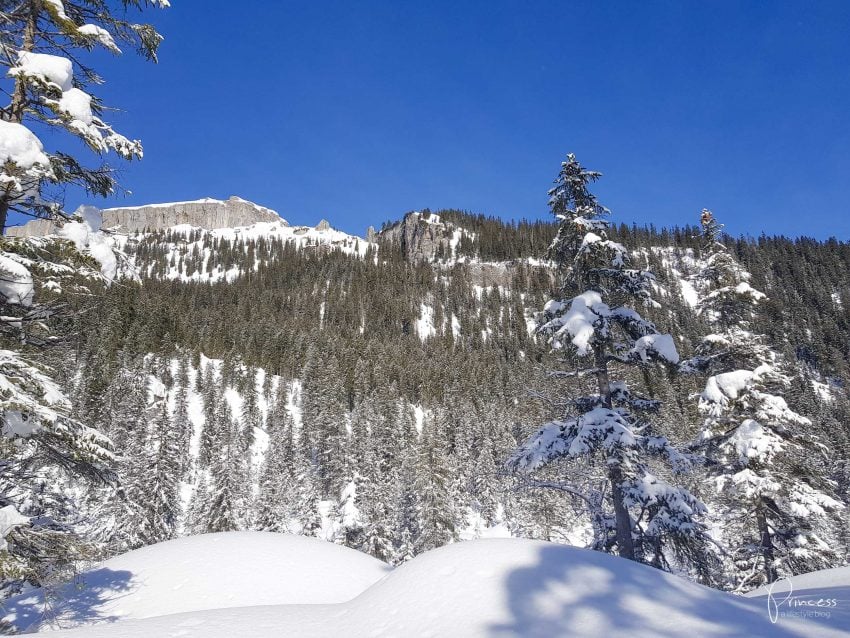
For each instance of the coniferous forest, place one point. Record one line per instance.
(374, 400)
(677, 397)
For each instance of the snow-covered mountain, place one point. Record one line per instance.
(204, 213)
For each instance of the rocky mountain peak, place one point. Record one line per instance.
(421, 236)
(204, 213)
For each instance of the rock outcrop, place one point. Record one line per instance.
(203, 213)
(421, 237)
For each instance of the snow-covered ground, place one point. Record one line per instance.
(253, 585)
(213, 571)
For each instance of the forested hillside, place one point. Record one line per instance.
(372, 396)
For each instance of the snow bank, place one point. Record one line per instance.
(495, 588)
(212, 571)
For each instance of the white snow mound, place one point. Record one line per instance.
(493, 588)
(212, 571)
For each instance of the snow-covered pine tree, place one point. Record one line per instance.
(406, 509)
(228, 472)
(40, 447)
(41, 42)
(374, 449)
(278, 490)
(162, 481)
(434, 474)
(182, 424)
(606, 436)
(774, 505)
(208, 387)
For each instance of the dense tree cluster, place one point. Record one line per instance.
(373, 401)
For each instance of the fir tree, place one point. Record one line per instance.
(42, 42)
(161, 505)
(774, 504)
(633, 509)
(277, 483)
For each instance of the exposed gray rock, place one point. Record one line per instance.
(203, 213)
(323, 225)
(34, 228)
(420, 240)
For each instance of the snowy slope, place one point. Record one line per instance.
(506, 587)
(181, 241)
(212, 571)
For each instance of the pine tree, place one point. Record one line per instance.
(774, 502)
(438, 519)
(161, 505)
(278, 489)
(607, 435)
(41, 43)
(228, 473)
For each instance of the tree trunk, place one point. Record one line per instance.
(623, 520)
(602, 380)
(765, 542)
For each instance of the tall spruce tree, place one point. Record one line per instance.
(606, 434)
(277, 481)
(162, 504)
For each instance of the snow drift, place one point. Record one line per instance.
(497, 587)
(234, 569)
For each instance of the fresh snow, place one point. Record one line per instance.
(425, 324)
(87, 237)
(10, 518)
(59, 7)
(46, 68)
(16, 284)
(212, 571)
(77, 104)
(474, 589)
(579, 321)
(689, 293)
(721, 388)
(19, 145)
(751, 440)
(101, 35)
(304, 238)
(660, 344)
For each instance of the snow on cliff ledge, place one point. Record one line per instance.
(204, 213)
(492, 588)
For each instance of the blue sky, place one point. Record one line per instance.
(360, 111)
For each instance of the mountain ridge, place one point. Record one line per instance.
(206, 213)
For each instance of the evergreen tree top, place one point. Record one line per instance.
(570, 196)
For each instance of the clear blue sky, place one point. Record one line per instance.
(360, 111)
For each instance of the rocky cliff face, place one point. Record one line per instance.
(422, 237)
(203, 213)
